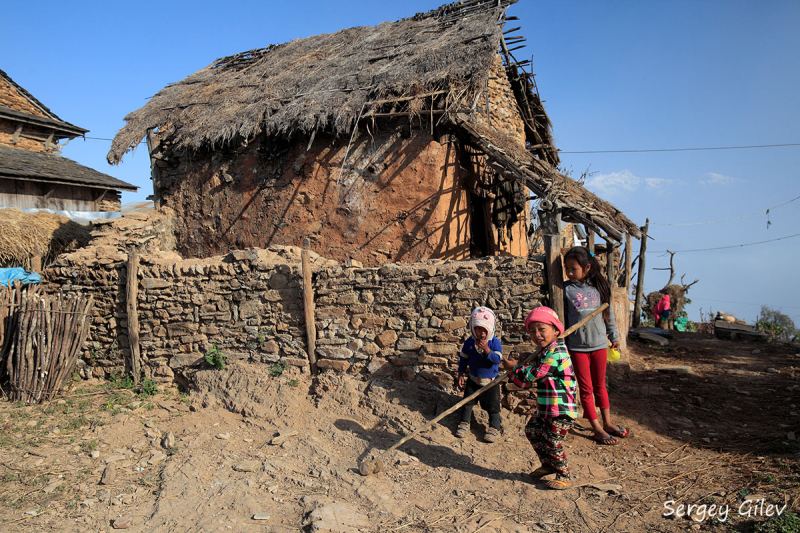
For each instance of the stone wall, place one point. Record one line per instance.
(401, 320)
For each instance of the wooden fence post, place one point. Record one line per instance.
(308, 307)
(637, 307)
(612, 282)
(551, 234)
(628, 262)
(133, 316)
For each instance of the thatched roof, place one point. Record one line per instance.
(514, 162)
(324, 81)
(23, 235)
(16, 163)
(43, 118)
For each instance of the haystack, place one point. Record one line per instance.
(677, 300)
(25, 235)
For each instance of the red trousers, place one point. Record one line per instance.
(590, 369)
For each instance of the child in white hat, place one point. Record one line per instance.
(478, 366)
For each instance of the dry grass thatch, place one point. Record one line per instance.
(677, 300)
(24, 235)
(322, 82)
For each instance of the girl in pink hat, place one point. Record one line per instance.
(555, 390)
(478, 366)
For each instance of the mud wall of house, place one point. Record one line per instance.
(406, 321)
(503, 114)
(30, 138)
(11, 98)
(382, 197)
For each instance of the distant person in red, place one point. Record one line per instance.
(661, 312)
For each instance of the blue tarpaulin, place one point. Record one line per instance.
(8, 275)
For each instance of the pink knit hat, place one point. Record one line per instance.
(545, 315)
(483, 317)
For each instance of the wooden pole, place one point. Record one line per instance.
(610, 264)
(589, 239)
(36, 263)
(308, 307)
(637, 307)
(551, 224)
(133, 317)
(628, 262)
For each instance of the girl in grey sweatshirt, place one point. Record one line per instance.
(586, 290)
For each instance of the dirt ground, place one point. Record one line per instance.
(255, 451)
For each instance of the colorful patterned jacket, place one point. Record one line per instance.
(555, 381)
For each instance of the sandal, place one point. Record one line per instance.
(491, 435)
(611, 440)
(542, 471)
(558, 484)
(462, 430)
(621, 432)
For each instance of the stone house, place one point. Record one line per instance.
(415, 139)
(32, 173)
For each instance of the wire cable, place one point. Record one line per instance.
(745, 303)
(728, 247)
(767, 210)
(680, 149)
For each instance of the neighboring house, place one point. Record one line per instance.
(32, 173)
(420, 138)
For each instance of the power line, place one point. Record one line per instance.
(727, 247)
(745, 303)
(680, 149)
(767, 210)
(624, 151)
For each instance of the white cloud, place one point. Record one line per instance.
(712, 178)
(619, 183)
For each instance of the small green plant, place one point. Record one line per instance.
(216, 358)
(172, 451)
(276, 369)
(9, 478)
(89, 446)
(293, 383)
(122, 381)
(185, 398)
(40, 480)
(788, 522)
(75, 423)
(149, 388)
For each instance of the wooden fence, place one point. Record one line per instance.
(41, 336)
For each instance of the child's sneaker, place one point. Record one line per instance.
(463, 429)
(491, 435)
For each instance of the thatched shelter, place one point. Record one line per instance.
(423, 137)
(33, 174)
(24, 237)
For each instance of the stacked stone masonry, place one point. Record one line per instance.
(406, 321)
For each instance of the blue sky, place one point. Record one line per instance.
(614, 75)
